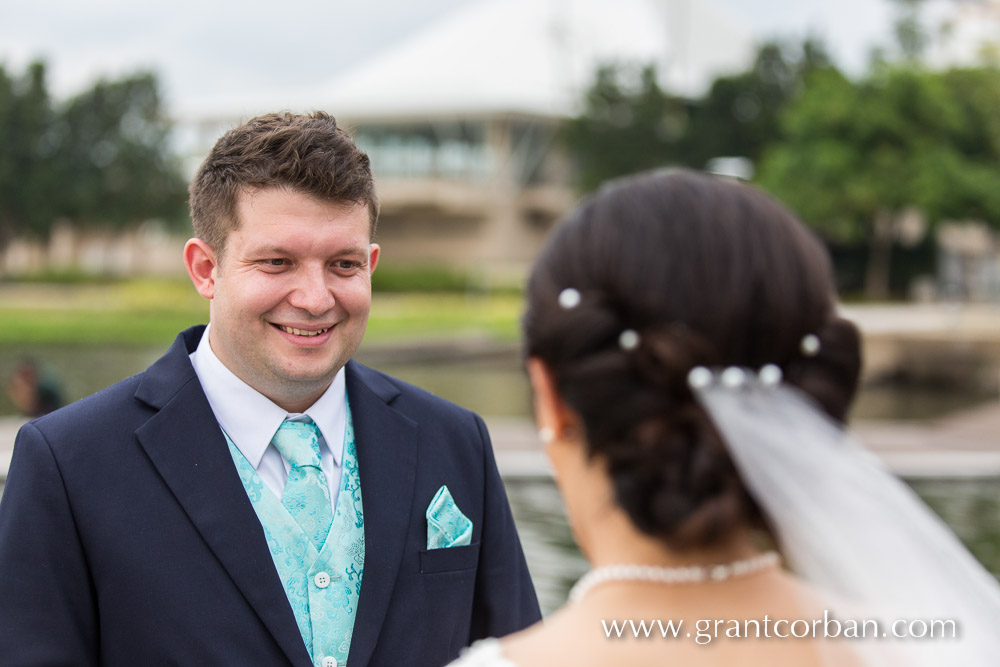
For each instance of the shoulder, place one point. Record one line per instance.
(484, 653)
(124, 406)
(83, 438)
(97, 412)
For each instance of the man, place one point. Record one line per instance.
(255, 497)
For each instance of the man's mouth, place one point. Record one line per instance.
(302, 332)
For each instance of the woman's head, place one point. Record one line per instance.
(706, 272)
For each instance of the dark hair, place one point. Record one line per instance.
(709, 272)
(307, 153)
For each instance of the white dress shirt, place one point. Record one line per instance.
(251, 420)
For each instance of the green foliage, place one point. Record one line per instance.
(740, 114)
(115, 164)
(900, 138)
(849, 156)
(27, 155)
(629, 123)
(420, 279)
(71, 276)
(154, 310)
(911, 35)
(856, 155)
(99, 159)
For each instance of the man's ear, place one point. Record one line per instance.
(373, 254)
(201, 262)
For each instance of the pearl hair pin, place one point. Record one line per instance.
(694, 574)
(569, 298)
(810, 345)
(700, 378)
(628, 340)
(733, 377)
(770, 375)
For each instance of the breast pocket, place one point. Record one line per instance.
(449, 559)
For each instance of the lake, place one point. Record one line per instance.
(970, 506)
(493, 384)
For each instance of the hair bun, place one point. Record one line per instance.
(830, 376)
(674, 478)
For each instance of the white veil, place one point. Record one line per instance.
(851, 529)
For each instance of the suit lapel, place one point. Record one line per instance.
(386, 446)
(185, 443)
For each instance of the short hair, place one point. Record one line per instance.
(307, 153)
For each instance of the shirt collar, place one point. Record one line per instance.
(251, 419)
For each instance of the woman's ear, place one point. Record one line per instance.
(552, 414)
(201, 262)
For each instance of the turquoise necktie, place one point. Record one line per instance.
(306, 495)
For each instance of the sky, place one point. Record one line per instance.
(209, 53)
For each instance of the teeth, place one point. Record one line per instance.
(300, 332)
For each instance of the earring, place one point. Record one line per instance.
(546, 435)
(810, 345)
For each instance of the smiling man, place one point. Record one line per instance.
(255, 497)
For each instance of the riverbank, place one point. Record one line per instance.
(136, 312)
(927, 343)
(963, 444)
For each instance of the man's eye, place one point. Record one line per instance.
(347, 264)
(275, 262)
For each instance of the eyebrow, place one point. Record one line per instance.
(280, 250)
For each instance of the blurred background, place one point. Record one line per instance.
(877, 121)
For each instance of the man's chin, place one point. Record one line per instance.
(307, 374)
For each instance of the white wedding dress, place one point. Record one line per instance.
(484, 653)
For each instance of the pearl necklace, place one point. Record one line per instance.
(671, 575)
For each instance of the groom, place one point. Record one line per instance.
(255, 497)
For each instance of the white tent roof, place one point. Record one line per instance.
(538, 56)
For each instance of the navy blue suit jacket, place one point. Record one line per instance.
(126, 537)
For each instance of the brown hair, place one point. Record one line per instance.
(307, 153)
(709, 273)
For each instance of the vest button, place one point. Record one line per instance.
(329, 661)
(322, 580)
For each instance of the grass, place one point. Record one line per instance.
(415, 315)
(153, 311)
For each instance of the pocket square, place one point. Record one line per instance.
(446, 525)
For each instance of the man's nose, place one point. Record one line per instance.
(313, 292)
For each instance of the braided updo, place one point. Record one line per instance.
(708, 272)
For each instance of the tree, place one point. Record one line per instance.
(115, 162)
(27, 179)
(629, 123)
(740, 114)
(911, 35)
(855, 156)
(100, 159)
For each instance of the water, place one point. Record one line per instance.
(494, 386)
(80, 369)
(497, 387)
(970, 506)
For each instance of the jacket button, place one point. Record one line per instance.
(329, 661)
(322, 580)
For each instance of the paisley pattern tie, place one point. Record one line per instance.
(306, 495)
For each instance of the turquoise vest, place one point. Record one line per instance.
(322, 587)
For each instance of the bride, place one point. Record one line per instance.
(691, 377)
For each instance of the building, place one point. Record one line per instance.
(461, 119)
